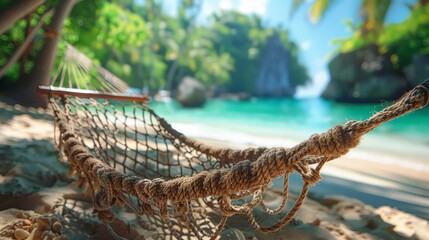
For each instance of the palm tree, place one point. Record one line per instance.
(372, 12)
(44, 63)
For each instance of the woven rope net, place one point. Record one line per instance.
(126, 155)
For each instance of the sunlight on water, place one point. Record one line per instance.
(285, 122)
(292, 118)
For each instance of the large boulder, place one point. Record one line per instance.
(364, 75)
(191, 93)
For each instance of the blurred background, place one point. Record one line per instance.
(356, 51)
(266, 67)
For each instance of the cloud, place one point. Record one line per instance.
(319, 82)
(210, 7)
(258, 7)
(225, 4)
(305, 45)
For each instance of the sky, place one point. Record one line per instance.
(314, 39)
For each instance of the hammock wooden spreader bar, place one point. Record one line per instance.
(222, 176)
(60, 91)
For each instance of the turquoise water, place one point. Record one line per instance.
(293, 118)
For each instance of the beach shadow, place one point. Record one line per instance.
(397, 191)
(28, 166)
(376, 196)
(7, 112)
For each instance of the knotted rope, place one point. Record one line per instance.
(239, 174)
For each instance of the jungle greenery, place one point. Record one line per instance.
(401, 41)
(145, 46)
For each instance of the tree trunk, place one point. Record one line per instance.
(41, 72)
(423, 2)
(17, 10)
(21, 49)
(24, 56)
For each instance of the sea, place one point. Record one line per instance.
(287, 121)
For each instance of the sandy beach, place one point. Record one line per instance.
(357, 199)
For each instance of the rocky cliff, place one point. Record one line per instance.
(364, 75)
(273, 77)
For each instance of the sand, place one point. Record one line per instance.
(356, 199)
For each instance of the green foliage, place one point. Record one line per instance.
(113, 40)
(13, 38)
(114, 28)
(244, 38)
(202, 61)
(141, 43)
(318, 9)
(119, 28)
(402, 41)
(365, 32)
(298, 74)
(407, 38)
(355, 41)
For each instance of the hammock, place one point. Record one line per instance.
(125, 154)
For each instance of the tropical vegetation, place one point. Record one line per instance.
(144, 45)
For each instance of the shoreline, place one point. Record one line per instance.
(372, 148)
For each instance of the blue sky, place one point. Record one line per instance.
(314, 39)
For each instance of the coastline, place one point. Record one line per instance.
(377, 148)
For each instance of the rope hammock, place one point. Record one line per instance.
(125, 154)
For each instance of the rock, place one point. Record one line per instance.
(418, 70)
(191, 93)
(351, 213)
(21, 234)
(273, 77)
(364, 75)
(33, 235)
(405, 224)
(330, 201)
(240, 96)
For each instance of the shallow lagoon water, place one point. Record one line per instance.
(292, 118)
(274, 121)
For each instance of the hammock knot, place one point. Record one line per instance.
(155, 190)
(101, 201)
(227, 210)
(105, 215)
(140, 188)
(146, 208)
(181, 207)
(129, 183)
(419, 96)
(163, 209)
(335, 142)
(79, 161)
(312, 177)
